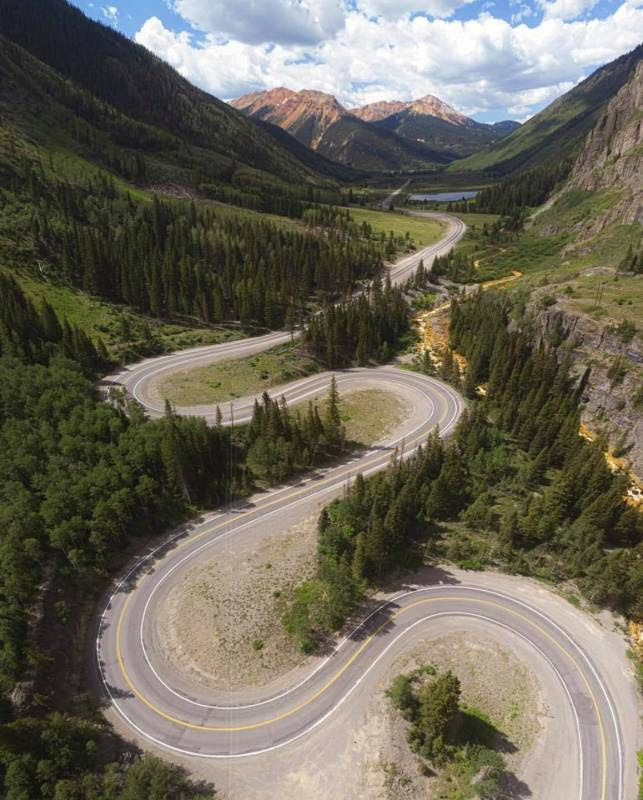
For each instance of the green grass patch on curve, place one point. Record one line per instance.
(239, 377)
(423, 232)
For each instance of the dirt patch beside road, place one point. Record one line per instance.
(221, 623)
(493, 680)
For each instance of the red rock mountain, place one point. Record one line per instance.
(307, 115)
(319, 121)
(380, 136)
(428, 105)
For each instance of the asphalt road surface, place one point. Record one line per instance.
(140, 378)
(191, 721)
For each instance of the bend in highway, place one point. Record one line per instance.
(186, 719)
(139, 379)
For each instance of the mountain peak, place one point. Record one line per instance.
(374, 112)
(272, 97)
(429, 105)
(434, 107)
(306, 114)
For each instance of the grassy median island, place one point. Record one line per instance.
(369, 414)
(239, 377)
(458, 742)
(229, 611)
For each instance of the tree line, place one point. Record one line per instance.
(361, 329)
(528, 188)
(36, 334)
(172, 258)
(515, 470)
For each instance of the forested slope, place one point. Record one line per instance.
(558, 130)
(82, 482)
(69, 81)
(516, 487)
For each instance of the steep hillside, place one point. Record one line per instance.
(558, 130)
(605, 188)
(589, 301)
(612, 157)
(505, 126)
(86, 84)
(320, 122)
(456, 139)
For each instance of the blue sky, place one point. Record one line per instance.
(491, 59)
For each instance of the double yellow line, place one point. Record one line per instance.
(362, 647)
(392, 617)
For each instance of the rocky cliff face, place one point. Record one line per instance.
(612, 159)
(615, 379)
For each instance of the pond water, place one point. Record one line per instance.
(442, 197)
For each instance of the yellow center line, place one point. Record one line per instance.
(313, 484)
(392, 617)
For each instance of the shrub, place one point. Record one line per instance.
(626, 331)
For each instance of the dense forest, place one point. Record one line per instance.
(365, 328)
(36, 335)
(81, 480)
(172, 258)
(527, 189)
(522, 488)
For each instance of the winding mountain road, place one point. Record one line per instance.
(141, 378)
(176, 714)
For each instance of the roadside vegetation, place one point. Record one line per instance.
(516, 487)
(364, 329)
(82, 482)
(458, 744)
(126, 334)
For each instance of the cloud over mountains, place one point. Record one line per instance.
(474, 56)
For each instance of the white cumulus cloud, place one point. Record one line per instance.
(392, 9)
(110, 13)
(566, 9)
(479, 65)
(257, 21)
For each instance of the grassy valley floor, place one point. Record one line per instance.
(422, 232)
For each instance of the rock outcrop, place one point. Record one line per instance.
(612, 160)
(616, 375)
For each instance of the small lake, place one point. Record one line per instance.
(441, 197)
